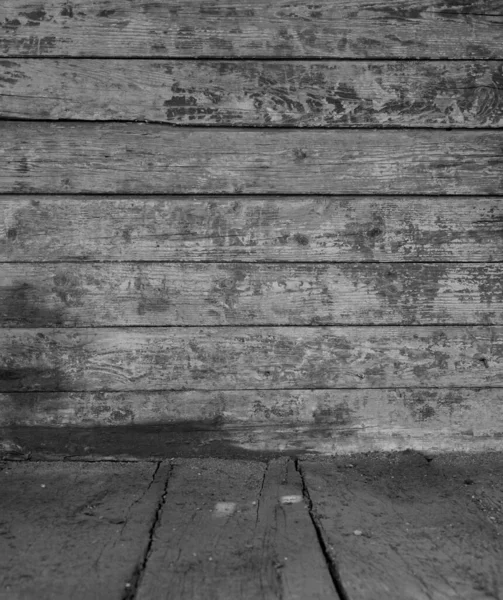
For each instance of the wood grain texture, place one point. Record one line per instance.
(114, 359)
(403, 528)
(235, 530)
(399, 229)
(141, 158)
(362, 28)
(48, 295)
(199, 549)
(330, 421)
(74, 530)
(255, 93)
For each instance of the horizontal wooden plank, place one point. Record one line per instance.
(47, 295)
(113, 359)
(141, 158)
(255, 93)
(42, 228)
(403, 528)
(230, 423)
(360, 28)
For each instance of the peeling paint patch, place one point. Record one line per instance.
(291, 499)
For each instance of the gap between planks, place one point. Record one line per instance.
(329, 559)
(244, 196)
(258, 58)
(194, 125)
(205, 126)
(131, 587)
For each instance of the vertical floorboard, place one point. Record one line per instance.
(407, 527)
(75, 530)
(285, 525)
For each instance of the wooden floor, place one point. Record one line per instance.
(395, 526)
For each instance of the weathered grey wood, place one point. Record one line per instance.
(114, 359)
(47, 295)
(331, 421)
(199, 550)
(249, 229)
(403, 528)
(285, 529)
(141, 158)
(75, 530)
(255, 93)
(234, 529)
(362, 28)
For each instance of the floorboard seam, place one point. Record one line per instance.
(252, 126)
(330, 58)
(332, 567)
(135, 581)
(259, 496)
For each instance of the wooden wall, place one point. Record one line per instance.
(245, 226)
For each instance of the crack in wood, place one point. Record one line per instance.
(132, 586)
(331, 565)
